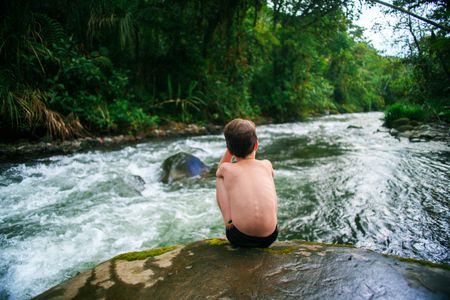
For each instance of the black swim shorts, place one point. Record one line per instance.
(237, 238)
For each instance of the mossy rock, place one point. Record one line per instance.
(217, 242)
(400, 122)
(404, 128)
(286, 270)
(140, 255)
(279, 250)
(414, 123)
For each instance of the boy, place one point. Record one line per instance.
(245, 190)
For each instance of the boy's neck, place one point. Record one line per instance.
(248, 157)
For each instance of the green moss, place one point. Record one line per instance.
(420, 262)
(278, 250)
(216, 242)
(325, 245)
(130, 256)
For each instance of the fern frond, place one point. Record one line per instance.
(52, 31)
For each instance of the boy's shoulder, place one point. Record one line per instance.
(265, 162)
(228, 167)
(223, 168)
(268, 166)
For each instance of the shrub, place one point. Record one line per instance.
(404, 110)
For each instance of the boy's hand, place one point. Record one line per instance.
(227, 157)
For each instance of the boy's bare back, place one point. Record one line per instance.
(245, 189)
(250, 190)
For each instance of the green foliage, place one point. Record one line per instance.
(317, 95)
(124, 66)
(423, 76)
(51, 87)
(122, 114)
(404, 110)
(88, 86)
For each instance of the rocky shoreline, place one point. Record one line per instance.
(418, 132)
(28, 150)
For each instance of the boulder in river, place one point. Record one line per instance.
(286, 270)
(400, 122)
(182, 165)
(135, 181)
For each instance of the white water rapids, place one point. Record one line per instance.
(65, 214)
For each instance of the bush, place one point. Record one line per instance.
(404, 110)
(125, 115)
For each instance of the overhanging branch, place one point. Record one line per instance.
(443, 27)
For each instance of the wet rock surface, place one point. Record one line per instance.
(287, 270)
(182, 165)
(417, 132)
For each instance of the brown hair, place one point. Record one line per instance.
(240, 136)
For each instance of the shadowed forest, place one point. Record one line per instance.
(71, 68)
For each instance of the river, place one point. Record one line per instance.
(339, 179)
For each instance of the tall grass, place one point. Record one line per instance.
(29, 105)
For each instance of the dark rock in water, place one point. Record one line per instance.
(354, 127)
(135, 181)
(414, 123)
(400, 122)
(404, 128)
(287, 270)
(422, 132)
(182, 165)
(393, 131)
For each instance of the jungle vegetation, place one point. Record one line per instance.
(69, 68)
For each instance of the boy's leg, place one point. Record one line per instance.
(222, 201)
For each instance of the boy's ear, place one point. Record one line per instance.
(255, 148)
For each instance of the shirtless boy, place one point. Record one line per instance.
(245, 190)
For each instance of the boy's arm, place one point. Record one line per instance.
(269, 164)
(226, 158)
(221, 192)
(223, 202)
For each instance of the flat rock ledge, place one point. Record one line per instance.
(213, 269)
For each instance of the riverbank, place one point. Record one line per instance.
(402, 128)
(26, 149)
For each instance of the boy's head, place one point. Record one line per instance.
(240, 136)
